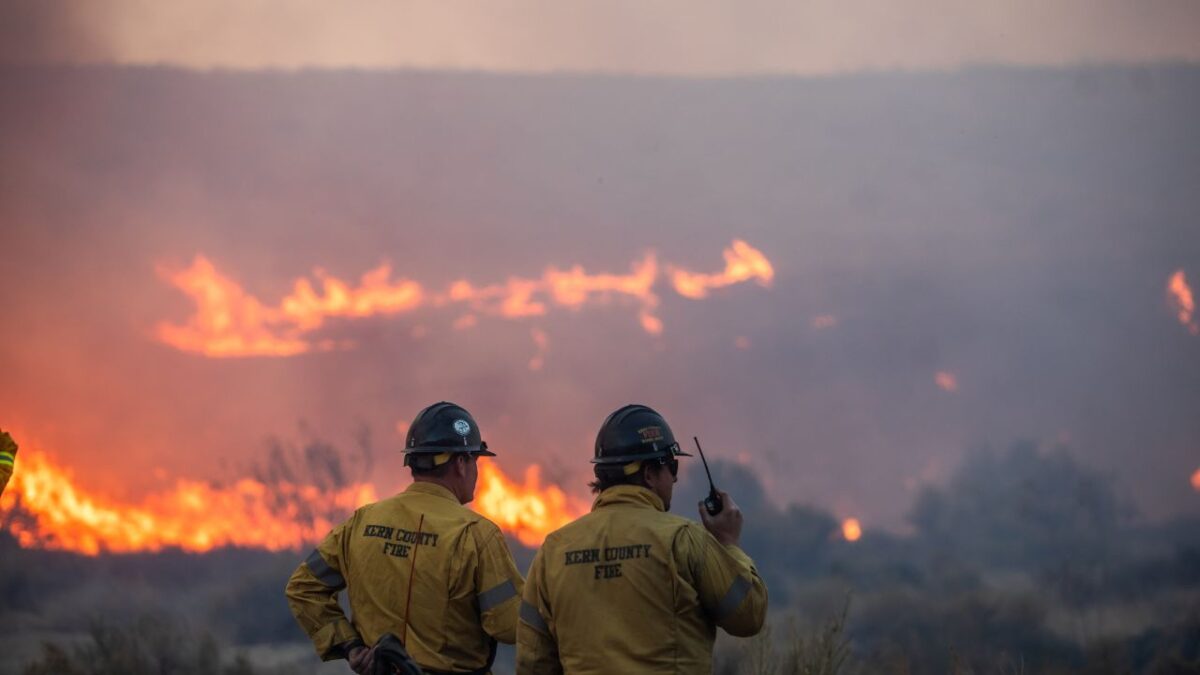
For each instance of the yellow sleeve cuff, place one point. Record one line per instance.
(330, 636)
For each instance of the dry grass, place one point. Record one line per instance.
(824, 651)
(149, 645)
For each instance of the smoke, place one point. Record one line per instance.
(622, 36)
(1023, 508)
(315, 461)
(50, 31)
(974, 224)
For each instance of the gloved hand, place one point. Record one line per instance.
(7, 444)
(391, 658)
(361, 659)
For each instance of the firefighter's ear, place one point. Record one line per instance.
(460, 464)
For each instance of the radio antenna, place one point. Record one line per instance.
(712, 503)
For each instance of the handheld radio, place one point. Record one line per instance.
(712, 503)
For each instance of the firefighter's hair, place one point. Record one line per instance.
(609, 476)
(427, 470)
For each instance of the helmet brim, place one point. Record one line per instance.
(625, 459)
(480, 451)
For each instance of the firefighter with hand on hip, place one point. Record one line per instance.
(630, 588)
(419, 565)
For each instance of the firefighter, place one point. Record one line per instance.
(8, 458)
(630, 588)
(418, 565)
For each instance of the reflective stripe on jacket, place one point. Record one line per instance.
(629, 588)
(7, 460)
(465, 587)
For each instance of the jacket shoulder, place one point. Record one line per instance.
(666, 525)
(479, 525)
(482, 525)
(672, 522)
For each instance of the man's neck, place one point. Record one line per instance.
(435, 480)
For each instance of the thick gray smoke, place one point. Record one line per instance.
(1012, 228)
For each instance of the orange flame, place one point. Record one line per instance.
(742, 263)
(946, 380)
(851, 529)
(528, 511)
(1196, 480)
(44, 508)
(230, 322)
(1179, 294)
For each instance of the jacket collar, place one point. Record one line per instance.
(628, 495)
(427, 488)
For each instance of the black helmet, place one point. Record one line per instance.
(443, 428)
(632, 433)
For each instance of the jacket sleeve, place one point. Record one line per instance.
(728, 585)
(312, 596)
(498, 584)
(537, 647)
(6, 470)
(6, 464)
(8, 458)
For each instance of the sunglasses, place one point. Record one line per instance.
(671, 463)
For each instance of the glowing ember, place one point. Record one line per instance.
(1179, 294)
(851, 529)
(743, 262)
(946, 380)
(231, 322)
(823, 321)
(1196, 480)
(44, 508)
(529, 511)
(542, 343)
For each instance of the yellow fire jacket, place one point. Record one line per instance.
(6, 470)
(629, 588)
(8, 458)
(419, 565)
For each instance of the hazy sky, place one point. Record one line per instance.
(964, 258)
(1015, 229)
(682, 37)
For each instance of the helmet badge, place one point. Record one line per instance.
(650, 434)
(462, 427)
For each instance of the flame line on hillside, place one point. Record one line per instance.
(229, 322)
(45, 508)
